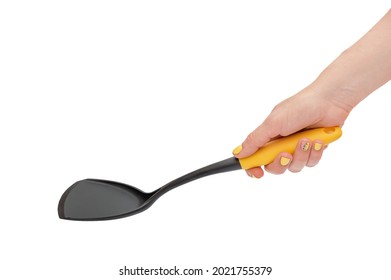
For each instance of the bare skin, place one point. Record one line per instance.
(356, 73)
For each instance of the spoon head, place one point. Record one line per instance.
(94, 200)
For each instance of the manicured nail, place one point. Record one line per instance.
(284, 161)
(305, 146)
(317, 146)
(237, 150)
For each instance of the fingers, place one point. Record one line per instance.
(308, 153)
(280, 164)
(255, 172)
(316, 153)
(301, 155)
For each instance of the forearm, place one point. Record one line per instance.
(359, 70)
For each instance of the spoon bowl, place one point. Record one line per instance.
(95, 199)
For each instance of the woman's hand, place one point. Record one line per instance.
(307, 109)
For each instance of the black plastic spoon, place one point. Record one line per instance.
(94, 199)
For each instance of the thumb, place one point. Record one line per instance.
(255, 140)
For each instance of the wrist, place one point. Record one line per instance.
(343, 83)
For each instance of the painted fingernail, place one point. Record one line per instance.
(284, 161)
(237, 150)
(317, 146)
(305, 146)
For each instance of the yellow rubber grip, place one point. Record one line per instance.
(270, 151)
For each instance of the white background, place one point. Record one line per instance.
(142, 92)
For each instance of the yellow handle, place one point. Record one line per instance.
(270, 151)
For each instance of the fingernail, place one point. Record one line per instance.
(317, 146)
(305, 146)
(237, 150)
(284, 161)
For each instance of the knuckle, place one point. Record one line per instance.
(251, 138)
(295, 169)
